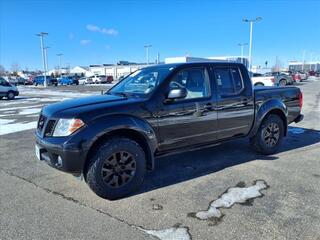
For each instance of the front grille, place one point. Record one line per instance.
(49, 128)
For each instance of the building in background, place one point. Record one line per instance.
(185, 59)
(81, 71)
(304, 66)
(115, 70)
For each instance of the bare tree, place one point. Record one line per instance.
(2, 70)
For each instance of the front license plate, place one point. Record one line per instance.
(37, 149)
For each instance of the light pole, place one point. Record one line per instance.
(242, 46)
(41, 35)
(303, 56)
(251, 21)
(59, 55)
(311, 55)
(46, 57)
(147, 51)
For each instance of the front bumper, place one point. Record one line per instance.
(61, 153)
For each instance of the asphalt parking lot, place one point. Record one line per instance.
(178, 200)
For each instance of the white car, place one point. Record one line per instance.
(7, 89)
(84, 80)
(96, 79)
(261, 80)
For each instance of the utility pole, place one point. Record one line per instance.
(303, 57)
(158, 58)
(147, 51)
(251, 21)
(41, 35)
(242, 46)
(311, 55)
(59, 55)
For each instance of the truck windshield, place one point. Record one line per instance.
(143, 81)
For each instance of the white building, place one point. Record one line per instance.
(85, 71)
(304, 66)
(185, 59)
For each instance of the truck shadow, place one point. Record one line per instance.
(186, 166)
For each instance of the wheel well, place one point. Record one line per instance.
(258, 83)
(283, 117)
(128, 133)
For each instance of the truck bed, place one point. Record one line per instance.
(288, 95)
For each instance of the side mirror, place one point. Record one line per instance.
(177, 93)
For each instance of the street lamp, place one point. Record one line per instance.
(147, 51)
(251, 21)
(242, 46)
(46, 57)
(59, 55)
(41, 35)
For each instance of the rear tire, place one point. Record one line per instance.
(282, 82)
(268, 138)
(117, 169)
(10, 95)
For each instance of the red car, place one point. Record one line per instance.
(296, 77)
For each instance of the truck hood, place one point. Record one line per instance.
(82, 103)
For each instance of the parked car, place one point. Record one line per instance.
(259, 80)
(113, 139)
(23, 81)
(84, 80)
(95, 79)
(7, 89)
(39, 80)
(296, 77)
(109, 79)
(303, 75)
(280, 78)
(68, 80)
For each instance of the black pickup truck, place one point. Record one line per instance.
(113, 139)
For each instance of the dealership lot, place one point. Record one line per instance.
(268, 197)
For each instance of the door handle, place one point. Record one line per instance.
(245, 101)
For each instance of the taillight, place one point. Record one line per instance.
(272, 79)
(300, 100)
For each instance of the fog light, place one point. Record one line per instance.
(59, 163)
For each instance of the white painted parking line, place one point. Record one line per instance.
(174, 233)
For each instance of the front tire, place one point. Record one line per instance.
(117, 169)
(268, 138)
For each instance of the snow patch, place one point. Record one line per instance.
(16, 127)
(30, 111)
(232, 196)
(173, 233)
(296, 130)
(6, 121)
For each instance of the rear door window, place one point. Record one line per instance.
(229, 80)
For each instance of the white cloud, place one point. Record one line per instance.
(85, 42)
(107, 31)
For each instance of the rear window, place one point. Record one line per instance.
(229, 80)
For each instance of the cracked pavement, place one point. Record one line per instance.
(38, 202)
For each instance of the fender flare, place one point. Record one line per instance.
(101, 126)
(272, 105)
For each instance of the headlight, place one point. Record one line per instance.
(65, 127)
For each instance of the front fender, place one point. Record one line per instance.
(101, 126)
(262, 109)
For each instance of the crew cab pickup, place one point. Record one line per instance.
(113, 139)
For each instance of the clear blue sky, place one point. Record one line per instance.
(95, 32)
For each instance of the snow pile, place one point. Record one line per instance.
(173, 233)
(232, 196)
(6, 128)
